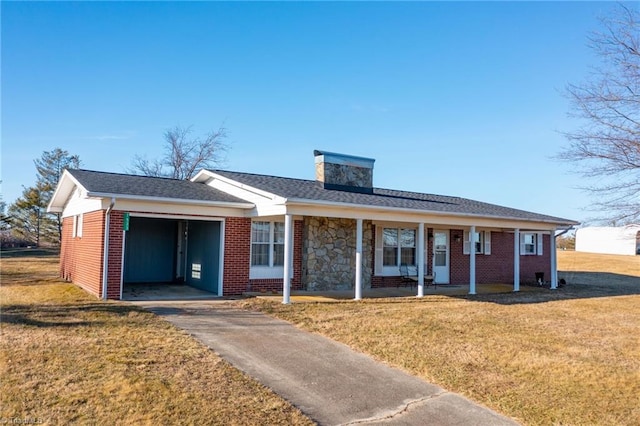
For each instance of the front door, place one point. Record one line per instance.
(441, 256)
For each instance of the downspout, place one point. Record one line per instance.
(563, 232)
(105, 257)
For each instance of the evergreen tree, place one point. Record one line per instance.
(28, 214)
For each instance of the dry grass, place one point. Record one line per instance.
(599, 269)
(69, 358)
(567, 357)
(593, 262)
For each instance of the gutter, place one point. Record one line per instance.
(305, 202)
(105, 257)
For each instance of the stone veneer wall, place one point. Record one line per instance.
(329, 251)
(340, 174)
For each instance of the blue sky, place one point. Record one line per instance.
(450, 98)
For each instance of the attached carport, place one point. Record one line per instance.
(165, 252)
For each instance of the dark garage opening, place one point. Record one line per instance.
(169, 258)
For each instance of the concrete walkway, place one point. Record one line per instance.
(328, 381)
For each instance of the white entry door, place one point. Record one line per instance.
(441, 256)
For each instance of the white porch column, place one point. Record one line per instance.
(554, 261)
(472, 260)
(288, 258)
(358, 283)
(420, 255)
(516, 259)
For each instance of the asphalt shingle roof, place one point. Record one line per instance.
(299, 189)
(145, 186)
(312, 190)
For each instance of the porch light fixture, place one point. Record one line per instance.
(457, 238)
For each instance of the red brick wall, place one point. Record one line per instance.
(81, 257)
(498, 266)
(380, 281)
(237, 249)
(529, 265)
(115, 254)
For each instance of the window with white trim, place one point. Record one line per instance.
(398, 246)
(531, 244)
(528, 243)
(77, 226)
(267, 244)
(482, 242)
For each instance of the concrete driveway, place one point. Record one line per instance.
(328, 381)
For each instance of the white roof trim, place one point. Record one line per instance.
(244, 191)
(64, 190)
(302, 201)
(170, 200)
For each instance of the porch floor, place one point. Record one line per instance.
(161, 291)
(375, 293)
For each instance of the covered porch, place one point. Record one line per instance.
(456, 251)
(392, 292)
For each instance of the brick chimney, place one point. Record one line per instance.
(344, 172)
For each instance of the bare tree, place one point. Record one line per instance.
(607, 145)
(184, 154)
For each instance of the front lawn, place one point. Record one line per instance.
(569, 356)
(66, 357)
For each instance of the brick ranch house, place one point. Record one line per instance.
(229, 232)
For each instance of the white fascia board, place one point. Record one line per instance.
(261, 210)
(237, 189)
(60, 197)
(178, 216)
(171, 200)
(356, 211)
(129, 205)
(202, 176)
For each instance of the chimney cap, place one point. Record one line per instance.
(336, 158)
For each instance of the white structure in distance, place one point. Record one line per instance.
(609, 240)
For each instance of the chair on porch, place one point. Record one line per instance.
(405, 278)
(430, 280)
(409, 275)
